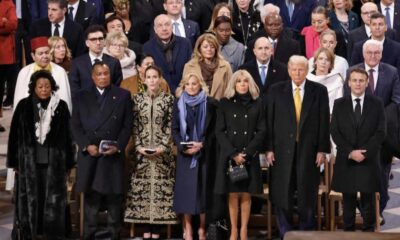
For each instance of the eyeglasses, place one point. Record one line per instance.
(368, 13)
(100, 39)
(117, 45)
(376, 53)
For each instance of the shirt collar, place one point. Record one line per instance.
(368, 30)
(294, 86)
(93, 57)
(61, 23)
(260, 64)
(353, 97)
(179, 20)
(75, 5)
(391, 6)
(367, 68)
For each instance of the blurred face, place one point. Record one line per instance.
(366, 10)
(41, 56)
(372, 55)
(263, 50)
(43, 88)
(163, 27)
(378, 28)
(297, 72)
(339, 4)
(243, 5)
(122, 10)
(117, 49)
(148, 61)
(55, 13)
(358, 83)
(319, 22)
(60, 50)
(192, 86)
(224, 12)
(328, 41)
(95, 42)
(207, 50)
(223, 33)
(152, 80)
(273, 26)
(115, 26)
(242, 85)
(387, 2)
(101, 76)
(322, 64)
(173, 7)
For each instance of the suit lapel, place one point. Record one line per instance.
(379, 81)
(307, 102)
(365, 110)
(288, 97)
(350, 110)
(187, 28)
(109, 106)
(80, 13)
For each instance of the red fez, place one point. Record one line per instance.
(38, 42)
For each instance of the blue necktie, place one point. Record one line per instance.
(290, 9)
(387, 18)
(176, 28)
(263, 74)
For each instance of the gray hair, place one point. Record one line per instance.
(372, 42)
(267, 9)
(297, 59)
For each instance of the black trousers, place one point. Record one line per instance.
(113, 203)
(367, 208)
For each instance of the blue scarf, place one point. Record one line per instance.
(199, 100)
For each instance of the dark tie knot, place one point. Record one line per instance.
(371, 71)
(96, 60)
(71, 8)
(357, 100)
(387, 8)
(57, 25)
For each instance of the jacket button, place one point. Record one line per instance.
(234, 132)
(245, 132)
(291, 135)
(245, 115)
(234, 115)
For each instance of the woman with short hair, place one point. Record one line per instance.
(60, 52)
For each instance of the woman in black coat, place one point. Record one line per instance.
(40, 151)
(193, 132)
(240, 132)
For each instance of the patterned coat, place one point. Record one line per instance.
(150, 194)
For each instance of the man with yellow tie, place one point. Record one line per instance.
(297, 140)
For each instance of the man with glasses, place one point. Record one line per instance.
(79, 76)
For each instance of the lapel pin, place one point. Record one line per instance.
(273, 70)
(114, 97)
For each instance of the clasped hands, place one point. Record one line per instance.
(193, 148)
(357, 155)
(93, 150)
(270, 156)
(158, 151)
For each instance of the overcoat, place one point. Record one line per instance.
(350, 176)
(281, 139)
(7, 32)
(22, 157)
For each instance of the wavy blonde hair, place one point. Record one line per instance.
(348, 5)
(52, 41)
(185, 79)
(329, 54)
(212, 40)
(231, 88)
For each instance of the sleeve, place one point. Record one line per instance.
(126, 129)
(336, 132)
(256, 144)
(73, 76)
(396, 89)
(324, 115)
(136, 123)
(117, 78)
(10, 25)
(13, 139)
(221, 132)
(270, 115)
(166, 135)
(78, 132)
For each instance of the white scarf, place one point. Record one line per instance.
(42, 128)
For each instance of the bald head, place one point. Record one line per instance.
(366, 10)
(263, 50)
(273, 25)
(163, 27)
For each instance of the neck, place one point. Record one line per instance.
(243, 10)
(320, 73)
(72, 2)
(378, 38)
(95, 54)
(174, 17)
(263, 62)
(207, 61)
(340, 11)
(58, 60)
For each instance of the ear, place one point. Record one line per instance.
(33, 55)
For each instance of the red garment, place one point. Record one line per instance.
(311, 38)
(8, 26)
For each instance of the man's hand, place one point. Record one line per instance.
(93, 150)
(194, 148)
(320, 159)
(357, 155)
(270, 156)
(111, 150)
(240, 158)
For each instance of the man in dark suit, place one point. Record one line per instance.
(385, 84)
(282, 39)
(81, 12)
(391, 10)
(181, 27)
(391, 49)
(56, 24)
(170, 52)
(297, 140)
(102, 112)
(79, 76)
(358, 128)
(199, 11)
(264, 69)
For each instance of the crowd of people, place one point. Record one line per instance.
(169, 110)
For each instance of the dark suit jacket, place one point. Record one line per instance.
(199, 11)
(85, 15)
(277, 72)
(98, 5)
(181, 54)
(92, 123)
(301, 14)
(390, 54)
(350, 176)
(396, 18)
(392, 141)
(80, 73)
(192, 30)
(354, 21)
(73, 33)
(388, 86)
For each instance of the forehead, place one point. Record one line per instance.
(100, 68)
(318, 16)
(42, 49)
(297, 65)
(42, 80)
(322, 55)
(372, 47)
(54, 6)
(95, 34)
(377, 20)
(273, 19)
(369, 7)
(115, 22)
(262, 42)
(161, 20)
(357, 75)
(328, 37)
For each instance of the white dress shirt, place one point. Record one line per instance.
(266, 68)
(181, 27)
(93, 57)
(60, 28)
(75, 6)
(367, 30)
(294, 86)
(353, 98)
(391, 12)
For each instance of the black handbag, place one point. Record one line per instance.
(237, 173)
(217, 231)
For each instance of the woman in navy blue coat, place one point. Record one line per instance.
(193, 133)
(341, 18)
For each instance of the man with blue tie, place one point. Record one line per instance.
(391, 10)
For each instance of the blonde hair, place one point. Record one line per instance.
(329, 54)
(214, 15)
(231, 88)
(120, 3)
(327, 32)
(298, 59)
(348, 5)
(116, 36)
(185, 79)
(210, 38)
(52, 41)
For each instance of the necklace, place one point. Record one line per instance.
(245, 35)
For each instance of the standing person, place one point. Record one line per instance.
(240, 131)
(193, 122)
(155, 169)
(341, 17)
(220, 9)
(297, 141)
(40, 151)
(103, 112)
(358, 141)
(82, 12)
(8, 26)
(208, 63)
(60, 53)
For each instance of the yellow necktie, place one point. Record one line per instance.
(297, 106)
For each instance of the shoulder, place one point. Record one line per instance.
(378, 102)
(223, 63)
(212, 102)
(57, 68)
(109, 59)
(316, 86)
(122, 93)
(387, 68)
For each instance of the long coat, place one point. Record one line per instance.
(240, 128)
(220, 78)
(281, 139)
(7, 32)
(350, 176)
(92, 123)
(22, 157)
(150, 193)
(191, 183)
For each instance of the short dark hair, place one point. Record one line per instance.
(377, 15)
(99, 63)
(41, 74)
(222, 19)
(358, 70)
(61, 3)
(157, 69)
(111, 19)
(141, 57)
(94, 28)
